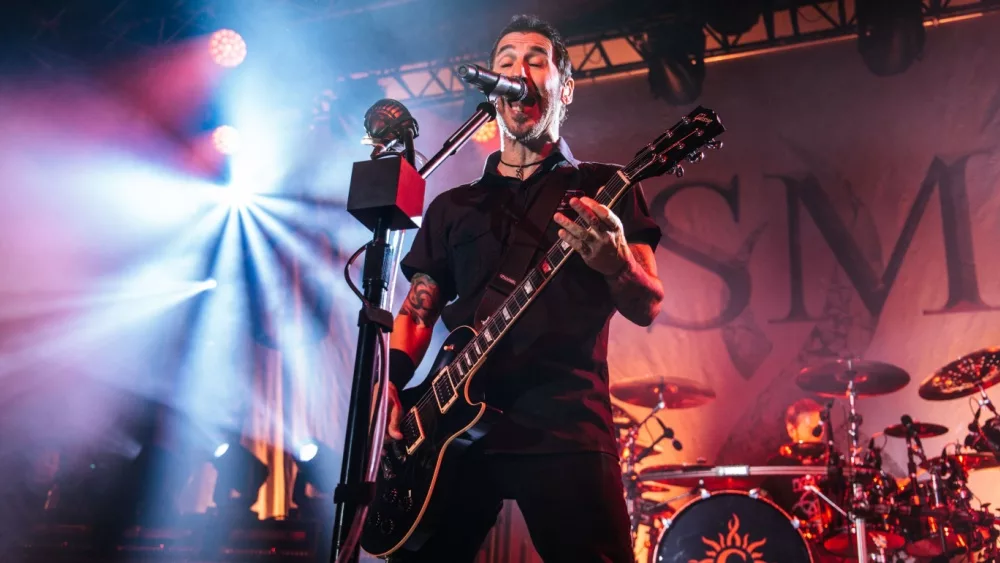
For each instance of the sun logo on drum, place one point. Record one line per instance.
(732, 547)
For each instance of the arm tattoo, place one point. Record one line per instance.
(422, 304)
(636, 292)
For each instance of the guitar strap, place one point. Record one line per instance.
(526, 238)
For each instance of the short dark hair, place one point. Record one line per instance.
(800, 407)
(533, 24)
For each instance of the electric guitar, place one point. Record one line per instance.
(446, 413)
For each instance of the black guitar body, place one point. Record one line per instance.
(404, 510)
(444, 415)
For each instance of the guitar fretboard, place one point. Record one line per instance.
(497, 324)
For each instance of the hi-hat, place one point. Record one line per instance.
(674, 392)
(832, 379)
(965, 376)
(922, 429)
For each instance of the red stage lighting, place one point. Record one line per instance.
(226, 139)
(228, 48)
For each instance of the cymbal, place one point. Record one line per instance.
(923, 430)
(697, 474)
(972, 461)
(803, 450)
(870, 378)
(676, 393)
(963, 377)
(843, 543)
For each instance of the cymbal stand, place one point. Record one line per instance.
(630, 460)
(858, 501)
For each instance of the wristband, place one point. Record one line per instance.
(401, 368)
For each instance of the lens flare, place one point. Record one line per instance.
(226, 139)
(228, 48)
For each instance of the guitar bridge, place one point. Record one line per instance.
(418, 427)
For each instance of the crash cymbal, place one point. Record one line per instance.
(963, 377)
(870, 378)
(675, 392)
(972, 461)
(803, 451)
(923, 430)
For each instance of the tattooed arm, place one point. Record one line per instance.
(414, 325)
(636, 289)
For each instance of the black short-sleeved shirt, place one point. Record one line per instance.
(549, 374)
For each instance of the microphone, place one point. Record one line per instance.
(494, 85)
(667, 434)
(388, 121)
(817, 430)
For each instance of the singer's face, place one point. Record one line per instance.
(530, 55)
(805, 423)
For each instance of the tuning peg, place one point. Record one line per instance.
(714, 144)
(677, 170)
(696, 156)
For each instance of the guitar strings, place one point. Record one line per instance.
(429, 397)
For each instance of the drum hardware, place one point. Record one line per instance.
(853, 378)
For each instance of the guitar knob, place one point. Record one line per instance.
(406, 503)
(386, 526)
(390, 496)
(677, 171)
(714, 144)
(696, 156)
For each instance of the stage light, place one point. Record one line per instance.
(211, 284)
(890, 34)
(228, 48)
(486, 133)
(675, 54)
(308, 452)
(319, 468)
(240, 477)
(226, 139)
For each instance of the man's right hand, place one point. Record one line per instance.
(395, 412)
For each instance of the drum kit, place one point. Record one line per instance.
(859, 510)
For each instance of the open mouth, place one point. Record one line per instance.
(528, 102)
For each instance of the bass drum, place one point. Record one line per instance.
(731, 526)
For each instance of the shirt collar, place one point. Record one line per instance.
(560, 156)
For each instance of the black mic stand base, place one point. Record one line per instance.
(381, 197)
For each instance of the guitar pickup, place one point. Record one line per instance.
(442, 386)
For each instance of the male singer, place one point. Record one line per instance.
(553, 451)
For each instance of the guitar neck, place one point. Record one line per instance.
(499, 323)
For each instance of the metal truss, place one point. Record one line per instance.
(620, 52)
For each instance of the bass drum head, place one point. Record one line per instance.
(731, 527)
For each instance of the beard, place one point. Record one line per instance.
(524, 127)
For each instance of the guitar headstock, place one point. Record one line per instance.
(686, 140)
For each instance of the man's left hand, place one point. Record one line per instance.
(601, 241)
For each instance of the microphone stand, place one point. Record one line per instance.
(355, 491)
